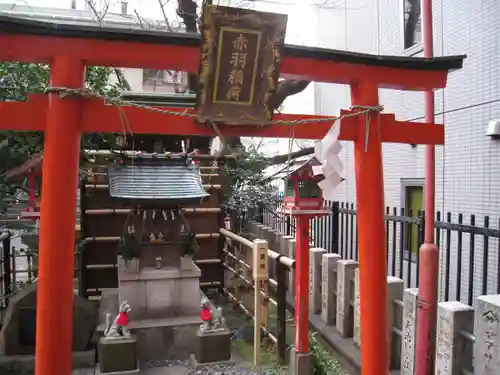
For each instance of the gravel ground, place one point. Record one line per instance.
(222, 369)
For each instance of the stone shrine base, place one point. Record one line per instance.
(161, 293)
(157, 339)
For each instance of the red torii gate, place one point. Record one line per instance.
(69, 49)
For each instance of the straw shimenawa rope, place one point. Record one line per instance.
(86, 93)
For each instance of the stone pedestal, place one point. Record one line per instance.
(18, 333)
(356, 336)
(161, 293)
(395, 288)
(213, 346)
(329, 288)
(292, 251)
(410, 304)
(452, 353)
(345, 312)
(118, 355)
(487, 331)
(315, 263)
(300, 363)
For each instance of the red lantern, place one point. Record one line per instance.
(303, 196)
(33, 210)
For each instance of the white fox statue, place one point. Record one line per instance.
(119, 327)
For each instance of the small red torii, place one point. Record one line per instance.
(69, 49)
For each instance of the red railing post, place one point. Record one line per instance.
(429, 252)
(302, 286)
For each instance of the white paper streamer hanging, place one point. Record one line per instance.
(326, 152)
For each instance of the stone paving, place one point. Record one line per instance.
(186, 370)
(177, 367)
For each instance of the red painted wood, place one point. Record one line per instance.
(97, 117)
(302, 285)
(57, 223)
(371, 236)
(42, 49)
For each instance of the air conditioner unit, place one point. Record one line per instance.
(493, 129)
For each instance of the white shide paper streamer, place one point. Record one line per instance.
(327, 152)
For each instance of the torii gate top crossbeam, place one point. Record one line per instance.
(39, 42)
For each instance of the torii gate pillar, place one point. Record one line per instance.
(57, 221)
(371, 231)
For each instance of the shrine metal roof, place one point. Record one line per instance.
(158, 182)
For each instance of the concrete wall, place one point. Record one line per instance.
(467, 168)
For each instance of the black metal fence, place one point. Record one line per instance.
(5, 271)
(18, 267)
(469, 245)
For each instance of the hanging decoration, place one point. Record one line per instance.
(327, 152)
(187, 238)
(130, 244)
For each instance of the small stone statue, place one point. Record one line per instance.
(212, 320)
(119, 327)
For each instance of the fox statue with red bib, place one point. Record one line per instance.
(119, 327)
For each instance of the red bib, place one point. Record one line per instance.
(122, 319)
(206, 314)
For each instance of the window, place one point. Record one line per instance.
(412, 23)
(412, 199)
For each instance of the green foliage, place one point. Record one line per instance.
(17, 81)
(188, 244)
(323, 362)
(247, 186)
(130, 246)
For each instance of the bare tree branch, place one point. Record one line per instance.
(186, 9)
(413, 12)
(102, 12)
(121, 79)
(285, 89)
(280, 159)
(165, 18)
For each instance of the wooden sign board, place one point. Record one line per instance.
(239, 65)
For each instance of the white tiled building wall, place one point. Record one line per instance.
(468, 166)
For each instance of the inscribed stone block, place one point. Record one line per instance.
(284, 250)
(329, 288)
(259, 231)
(285, 245)
(410, 300)
(487, 330)
(345, 316)
(395, 288)
(315, 262)
(453, 317)
(292, 244)
(357, 311)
